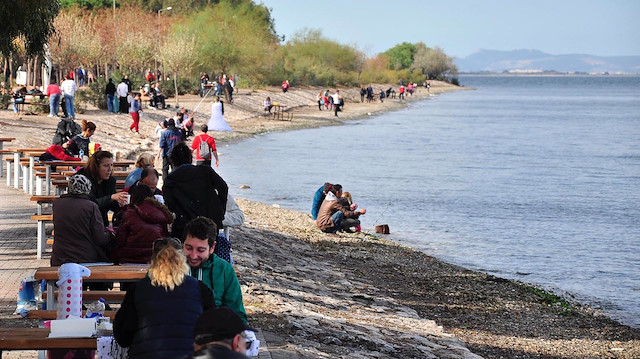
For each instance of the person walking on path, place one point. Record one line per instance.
(69, 88)
(110, 91)
(54, 93)
(135, 110)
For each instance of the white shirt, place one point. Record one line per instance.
(122, 89)
(68, 87)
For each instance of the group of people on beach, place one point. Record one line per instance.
(334, 210)
(180, 230)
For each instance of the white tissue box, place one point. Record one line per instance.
(73, 328)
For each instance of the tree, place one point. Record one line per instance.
(401, 56)
(433, 63)
(235, 37)
(31, 20)
(178, 54)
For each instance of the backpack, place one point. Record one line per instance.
(204, 150)
(65, 131)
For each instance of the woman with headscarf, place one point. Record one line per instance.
(80, 236)
(158, 314)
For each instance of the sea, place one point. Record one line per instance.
(533, 178)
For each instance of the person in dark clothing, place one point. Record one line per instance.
(110, 91)
(191, 191)
(229, 91)
(103, 189)
(169, 138)
(219, 334)
(159, 313)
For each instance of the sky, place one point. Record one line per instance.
(461, 27)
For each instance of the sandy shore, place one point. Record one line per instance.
(361, 296)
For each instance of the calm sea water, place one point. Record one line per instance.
(532, 178)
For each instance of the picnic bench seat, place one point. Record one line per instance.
(45, 314)
(110, 296)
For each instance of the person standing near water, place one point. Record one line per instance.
(216, 121)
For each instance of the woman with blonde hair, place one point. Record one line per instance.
(144, 161)
(159, 312)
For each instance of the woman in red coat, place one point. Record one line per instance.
(142, 223)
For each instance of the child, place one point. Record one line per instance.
(135, 110)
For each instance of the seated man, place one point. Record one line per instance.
(220, 333)
(158, 97)
(200, 237)
(334, 216)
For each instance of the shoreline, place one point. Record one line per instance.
(494, 316)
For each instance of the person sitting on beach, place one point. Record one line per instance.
(145, 160)
(80, 235)
(157, 98)
(267, 106)
(318, 197)
(347, 201)
(144, 221)
(200, 236)
(333, 216)
(192, 191)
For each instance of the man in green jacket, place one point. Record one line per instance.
(200, 241)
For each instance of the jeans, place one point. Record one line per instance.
(71, 112)
(166, 163)
(337, 221)
(15, 104)
(54, 102)
(110, 103)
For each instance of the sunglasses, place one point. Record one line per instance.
(167, 241)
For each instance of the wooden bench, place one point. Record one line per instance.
(44, 314)
(282, 113)
(42, 220)
(38, 339)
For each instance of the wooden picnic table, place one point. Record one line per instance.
(279, 111)
(122, 164)
(99, 273)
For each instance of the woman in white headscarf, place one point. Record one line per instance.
(216, 121)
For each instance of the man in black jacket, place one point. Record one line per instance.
(191, 191)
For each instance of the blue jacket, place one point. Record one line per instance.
(169, 138)
(317, 202)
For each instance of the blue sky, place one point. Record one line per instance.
(460, 27)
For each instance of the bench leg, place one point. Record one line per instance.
(25, 178)
(51, 301)
(48, 181)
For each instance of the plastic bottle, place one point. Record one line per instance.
(81, 154)
(95, 309)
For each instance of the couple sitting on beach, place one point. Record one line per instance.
(334, 210)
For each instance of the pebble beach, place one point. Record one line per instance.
(357, 295)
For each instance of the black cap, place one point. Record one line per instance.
(217, 324)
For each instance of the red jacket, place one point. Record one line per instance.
(141, 225)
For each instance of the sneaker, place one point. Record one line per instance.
(50, 115)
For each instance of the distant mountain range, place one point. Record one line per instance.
(534, 61)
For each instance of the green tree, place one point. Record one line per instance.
(235, 37)
(401, 56)
(30, 20)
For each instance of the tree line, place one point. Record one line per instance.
(181, 39)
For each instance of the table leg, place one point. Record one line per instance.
(16, 170)
(25, 178)
(1, 174)
(51, 301)
(38, 186)
(41, 239)
(32, 163)
(8, 174)
(48, 180)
